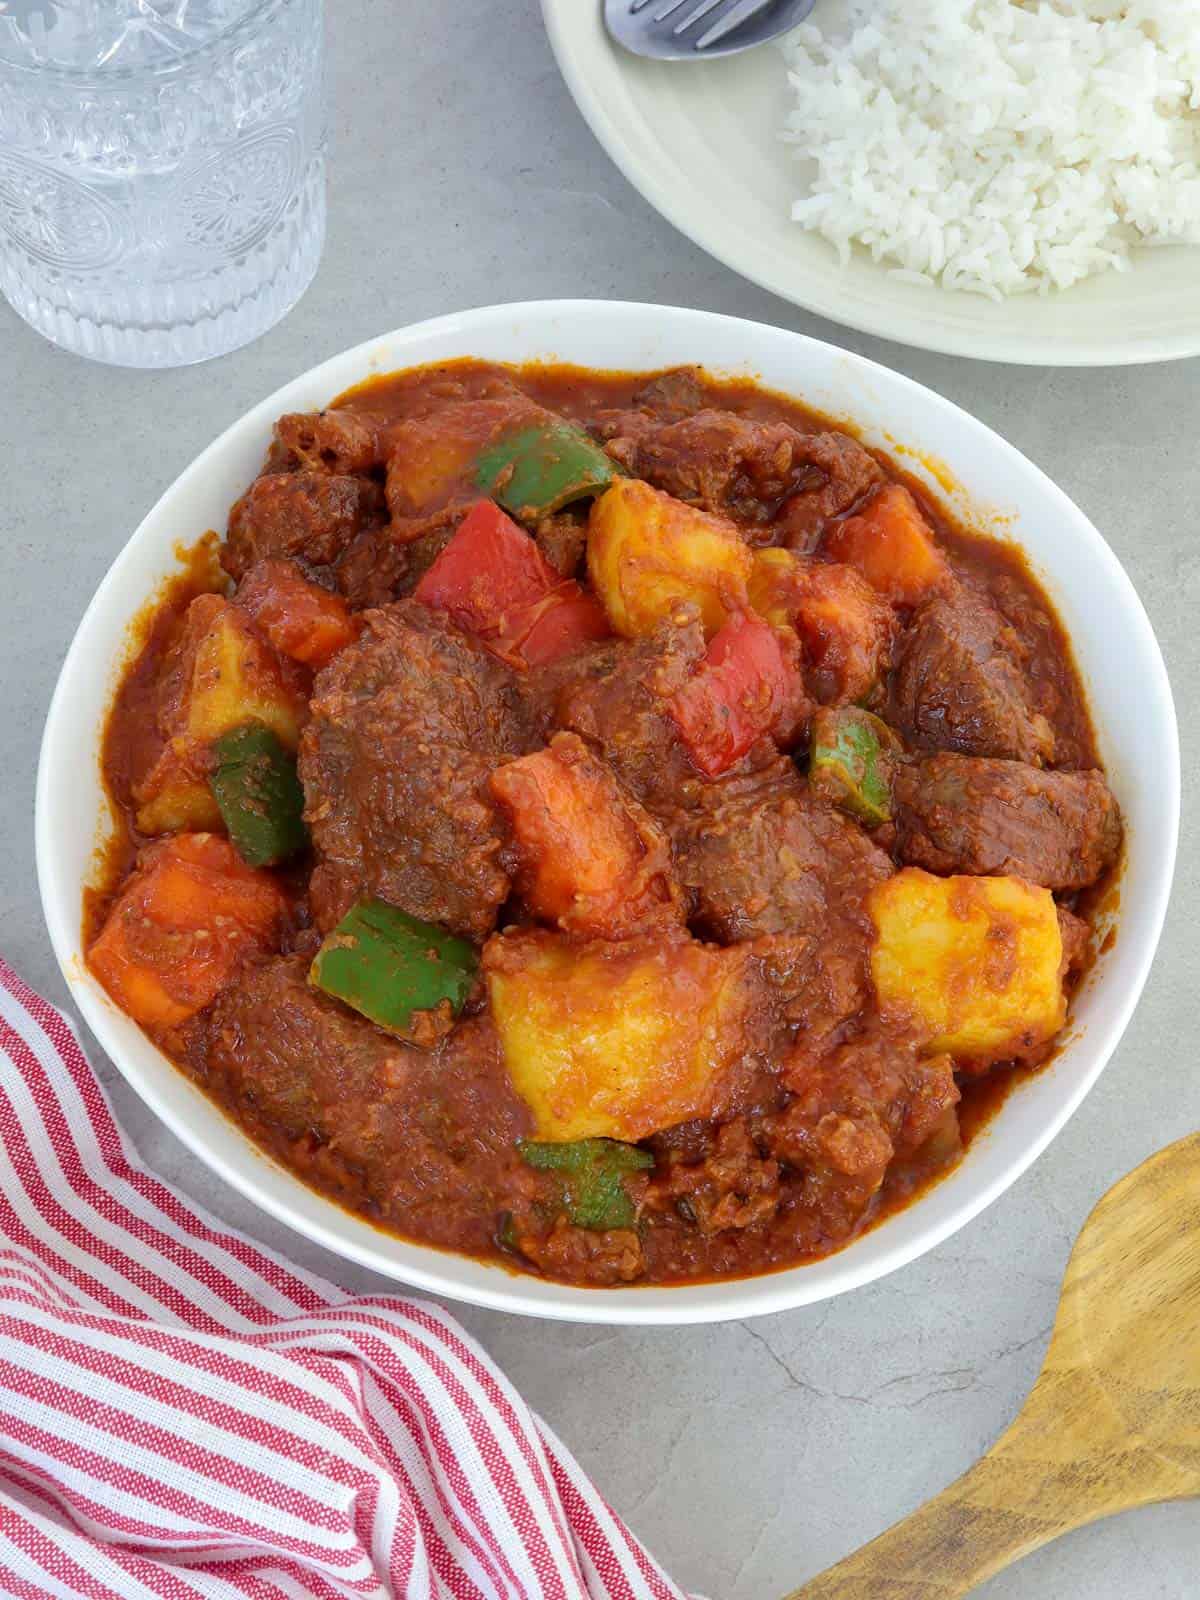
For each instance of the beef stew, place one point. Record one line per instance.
(616, 825)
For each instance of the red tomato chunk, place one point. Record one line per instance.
(490, 570)
(749, 684)
(495, 583)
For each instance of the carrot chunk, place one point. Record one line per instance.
(301, 619)
(592, 859)
(844, 624)
(180, 927)
(893, 547)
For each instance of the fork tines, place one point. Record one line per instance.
(731, 15)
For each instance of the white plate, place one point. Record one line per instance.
(1114, 646)
(701, 143)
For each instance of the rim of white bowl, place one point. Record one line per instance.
(494, 1287)
(922, 332)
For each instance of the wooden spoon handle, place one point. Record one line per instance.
(1113, 1421)
(1067, 1460)
(946, 1548)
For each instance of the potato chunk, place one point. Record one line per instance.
(616, 1040)
(975, 963)
(220, 674)
(648, 552)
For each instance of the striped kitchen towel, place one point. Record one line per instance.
(184, 1414)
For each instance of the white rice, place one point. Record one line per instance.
(998, 146)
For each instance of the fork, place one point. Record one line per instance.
(691, 30)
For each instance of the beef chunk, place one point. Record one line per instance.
(1076, 938)
(339, 442)
(309, 516)
(731, 1186)
(730, 464)
(960, 684)
(584, 1255)
(840, 474)
(375, 568)
(761, 855)
(966, 814)
(873, 1082)
(852, 1110)
(562, 539)
(424, 1139)
(407, 725)
(713, 459)
(274, 1044)
(672, 395)
(378, 566)
(616, 697)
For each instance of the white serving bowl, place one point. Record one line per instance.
(1115, 648)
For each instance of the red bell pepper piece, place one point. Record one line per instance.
(748, 684)
(490, 570)
(496, 584)
(556, 625)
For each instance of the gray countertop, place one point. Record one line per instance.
(747, 1456)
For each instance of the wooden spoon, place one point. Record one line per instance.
(1112, 1422)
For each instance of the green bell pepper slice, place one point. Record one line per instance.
(539, 470)
(506, 1236)
(388, 965)
(258, 795)
(849, 762)
(592, 1172)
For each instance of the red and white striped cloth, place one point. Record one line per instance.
(183, 1414)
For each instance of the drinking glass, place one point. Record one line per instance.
(162, 171)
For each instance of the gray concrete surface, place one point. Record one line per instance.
(749, 1457)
